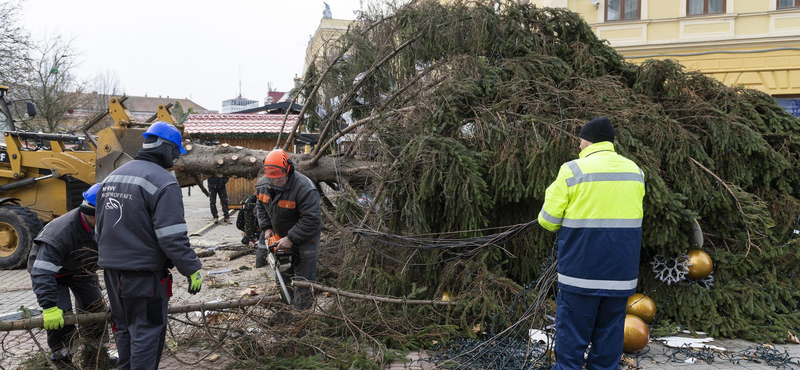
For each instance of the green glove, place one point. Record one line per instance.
(53, 318)
(195, 282)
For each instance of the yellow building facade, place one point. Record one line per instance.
(324, 38)
(750, 43)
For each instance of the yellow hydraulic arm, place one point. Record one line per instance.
(119, 143)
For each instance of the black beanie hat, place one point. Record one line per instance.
(597, 130)
(87, 208)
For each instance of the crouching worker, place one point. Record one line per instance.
(63, 259)
(288, 205)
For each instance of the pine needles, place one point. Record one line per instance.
(475, 141)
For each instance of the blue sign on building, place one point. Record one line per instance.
(791, 105)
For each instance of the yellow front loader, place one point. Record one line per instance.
(43, 176)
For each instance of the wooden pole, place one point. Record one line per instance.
(239, 254)
(88, 318)
(315, 286)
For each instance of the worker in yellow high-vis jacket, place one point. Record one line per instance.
(595, 204)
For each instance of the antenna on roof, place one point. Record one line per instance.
(240, 80)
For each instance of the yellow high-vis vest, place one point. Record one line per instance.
(595, 204)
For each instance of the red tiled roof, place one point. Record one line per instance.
(276, 96)
(238, 123)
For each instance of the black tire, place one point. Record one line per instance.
(18, 227)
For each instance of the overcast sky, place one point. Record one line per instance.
(188, 48)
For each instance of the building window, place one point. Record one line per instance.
(783, 4)
(698, 7)
(623, 10)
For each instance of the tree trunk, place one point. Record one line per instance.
(235, 161)
(88, 318)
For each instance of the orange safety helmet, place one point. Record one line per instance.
(278, 164)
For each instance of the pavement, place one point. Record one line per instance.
(225, 280)
(658, 356)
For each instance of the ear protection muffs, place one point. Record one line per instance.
(291, 167)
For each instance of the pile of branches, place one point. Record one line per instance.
(449, 121)
(471, 108)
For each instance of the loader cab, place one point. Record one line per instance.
(6, 123)
(6, 118)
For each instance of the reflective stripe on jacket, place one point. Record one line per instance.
(596, 202)
(140, 221)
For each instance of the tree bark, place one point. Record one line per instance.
(343, 293)
(88, 318)
(234, 161)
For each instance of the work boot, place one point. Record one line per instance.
(62, 361)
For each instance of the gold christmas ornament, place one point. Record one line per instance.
(641, 306)
(636, 334)
(700, 265)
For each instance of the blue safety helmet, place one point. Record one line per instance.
(90, 195)
(167, 132)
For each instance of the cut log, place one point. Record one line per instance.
(205, 253)
(238, 254)
(206, 161)
(88, 318)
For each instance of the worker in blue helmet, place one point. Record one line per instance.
(164, 132)
(141, 235)
(63, 258)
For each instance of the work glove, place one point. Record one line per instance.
(195, 282)
(285, 243)
(53, 318)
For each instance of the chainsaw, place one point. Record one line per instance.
(276, 257)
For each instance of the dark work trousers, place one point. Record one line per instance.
(223, 199)
(583, 319)
(304, 267)
(86, 289)
(138, 302)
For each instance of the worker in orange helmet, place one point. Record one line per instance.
(288, 206)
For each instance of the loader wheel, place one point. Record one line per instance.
(18, 227)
